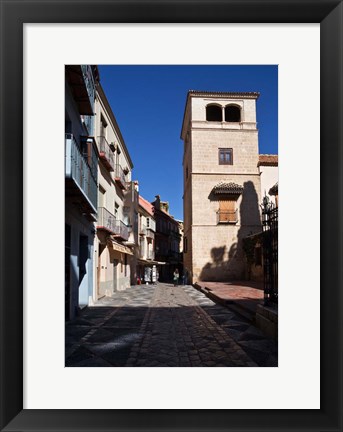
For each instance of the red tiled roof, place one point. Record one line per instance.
(268, 160)
(146, 205)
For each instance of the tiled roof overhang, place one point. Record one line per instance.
(267, 160)
(227, 188)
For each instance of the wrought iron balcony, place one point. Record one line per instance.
(81, 182)
(108, 222)
(120, 177)
(89, 123)
(106, 154)
(225, 216)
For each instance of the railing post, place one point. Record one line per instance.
(270, 253)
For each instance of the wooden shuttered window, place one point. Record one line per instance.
(227, 210)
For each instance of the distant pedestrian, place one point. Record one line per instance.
(176, 277)
(183, 279)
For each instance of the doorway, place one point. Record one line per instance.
(101, 249)
(115, 275)
(67, 250)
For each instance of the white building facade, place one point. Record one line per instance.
(146, 264)
(269, 174)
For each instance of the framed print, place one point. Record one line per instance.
(24, 214)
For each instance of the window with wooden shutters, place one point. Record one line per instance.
(227, 211)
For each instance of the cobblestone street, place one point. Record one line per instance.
(162, 325)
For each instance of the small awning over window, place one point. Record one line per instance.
(227, 188)
(119, 247)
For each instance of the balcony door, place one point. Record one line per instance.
(101, 249)
(103, 127)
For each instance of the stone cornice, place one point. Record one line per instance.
(226, 173)
(224, 95)
(196, 128)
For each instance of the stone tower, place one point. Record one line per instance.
(221, 183)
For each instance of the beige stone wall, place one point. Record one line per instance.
(206, 145)
(187, 203)
(215, 253)
(215, 249)
(205, 205)
(187, 256)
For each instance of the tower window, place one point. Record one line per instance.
(214, 113)
(232, 113)
(227, 212)
(225, 156)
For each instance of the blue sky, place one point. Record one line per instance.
(148, 103)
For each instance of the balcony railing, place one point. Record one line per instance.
(226, 216)
(106, 154)
(89, 123)
(108, 222)
(89, 81)
(120, 176)
(78, 170)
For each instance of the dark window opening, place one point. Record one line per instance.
(214, 113)
(232, 113)
(225, 156)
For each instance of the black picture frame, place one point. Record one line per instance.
(329, 13)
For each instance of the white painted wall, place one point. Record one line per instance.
(269, 176)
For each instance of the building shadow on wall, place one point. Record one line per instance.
(228, 262)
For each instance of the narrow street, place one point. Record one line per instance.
(164, 326)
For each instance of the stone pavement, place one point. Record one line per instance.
(163, 325)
